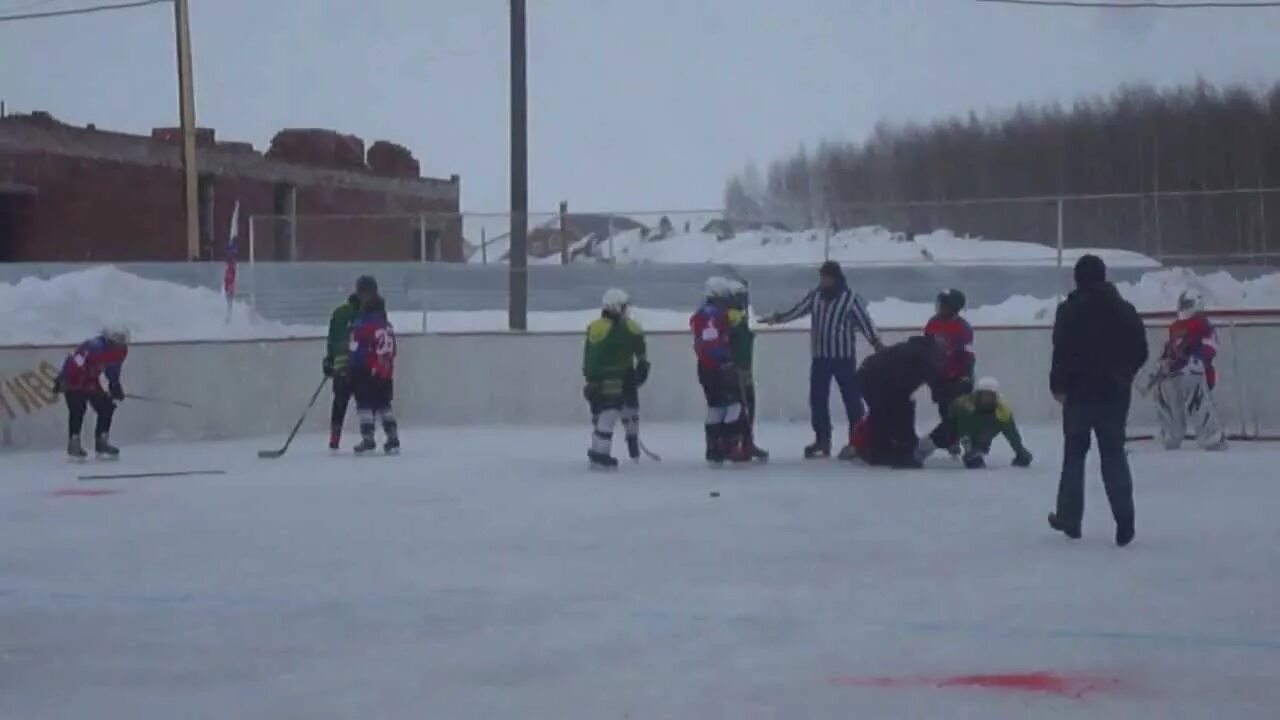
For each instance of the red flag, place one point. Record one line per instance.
(233, 252)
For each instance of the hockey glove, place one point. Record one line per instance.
(59, 385)
(975, 461)
(116, 392)
(590, 391)
(327, 366)
(642, 372)
(1022, 459)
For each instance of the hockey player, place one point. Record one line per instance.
(958, 361)
(721, 384)
(80, 382)
(335, 363)
(1185, 378)
(742, 340)
(979, 417)
(614, 366)
(372, 367)
(890, 377)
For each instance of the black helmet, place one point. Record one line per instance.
(951, 300)
(366, 285)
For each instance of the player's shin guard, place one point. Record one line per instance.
(732, 433)
(602, 432)
(716, 447)
(392, 429)
(367, 440)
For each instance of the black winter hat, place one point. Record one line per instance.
(365, 284)
(952, 300)
(1090, 270)
(831, 268)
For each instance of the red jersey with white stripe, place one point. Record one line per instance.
(710, 326)
(957, 342)
(1192, 338)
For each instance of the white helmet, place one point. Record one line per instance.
(1190, 302)
(615, 301)
(987, 384)
(737, 287)
(118, 334)
(719, 287)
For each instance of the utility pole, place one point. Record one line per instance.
(518, 261)
(187, 118)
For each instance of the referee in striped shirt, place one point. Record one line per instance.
(837, 315)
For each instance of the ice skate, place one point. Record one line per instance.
(758, 453)
(601, 461)
(391, 446)
(75, 453)
(367, 445)
(103, 448)
(335, 438)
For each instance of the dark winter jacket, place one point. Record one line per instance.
(899, 370)
(1099, 345)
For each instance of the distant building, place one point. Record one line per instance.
(73, 194)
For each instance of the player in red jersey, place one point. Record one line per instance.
(718, 375)
(373, 358)
(955, 338)
(1186, 376)
(80, 382)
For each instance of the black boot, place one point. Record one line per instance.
(74, 450)
(1073, 532)
(1124, 535)
(821, 448)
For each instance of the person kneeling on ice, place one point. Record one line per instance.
(742, 341)
(372, 363)
(80, 382)
(721, 384)
(1185, 378)
(982, 415)
(614, 366)
(889, 378)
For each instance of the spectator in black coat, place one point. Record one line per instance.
(1099, 345)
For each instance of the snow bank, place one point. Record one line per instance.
(866, 246)
(75, 306)
(71, 307)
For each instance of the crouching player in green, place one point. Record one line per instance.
(614, 366)
(981, 416)
(742, 341)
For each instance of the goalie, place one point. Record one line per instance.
(1185, 378)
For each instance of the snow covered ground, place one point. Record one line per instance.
(457, 581)
(76, 305)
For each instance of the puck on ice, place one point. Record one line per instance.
(715, 494)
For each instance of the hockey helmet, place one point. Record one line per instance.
(951, 300)
(118, 334)
(718, 288)
(986, 393)
(366, 285)
(1190, 302)
(615, 301)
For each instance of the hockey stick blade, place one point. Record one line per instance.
(273, 454)
(649, 453)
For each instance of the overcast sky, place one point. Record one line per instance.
(634, 104)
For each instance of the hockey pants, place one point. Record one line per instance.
(78, 403)
(607, 408)
(1184, 404)
(373, 404)
(723, 392)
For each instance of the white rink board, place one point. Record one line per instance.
(257, 389)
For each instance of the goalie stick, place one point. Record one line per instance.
(272, 454)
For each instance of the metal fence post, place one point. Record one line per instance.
(422, 237)
(1062, 242)
(564, 232)
(253, 268)
(484, 247)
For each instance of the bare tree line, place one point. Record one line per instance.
(1137, 140)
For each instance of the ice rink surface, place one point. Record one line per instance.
(489, 574)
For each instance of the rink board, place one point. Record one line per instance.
(258, 388)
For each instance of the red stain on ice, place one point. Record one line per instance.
(1045, 683)
(83, 492)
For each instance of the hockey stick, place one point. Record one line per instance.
(162, 401)
(272, 454)
(647, 452)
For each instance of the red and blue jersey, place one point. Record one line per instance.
(83, 369)
(373, 345)
(956, 337)
(1192, 338)
(710, 326)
